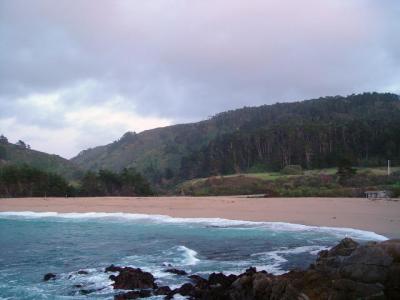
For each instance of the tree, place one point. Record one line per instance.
(3, 139)
(21, 144)
(345, 170)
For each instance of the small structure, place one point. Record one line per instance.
(377, 194)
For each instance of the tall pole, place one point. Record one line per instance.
(388, 168)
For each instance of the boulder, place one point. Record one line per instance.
(176, 271)
(133, 295)
(220, 279)
(113, 268)
(49, 276)
(368, 263)
(162, 290)
(131, 278)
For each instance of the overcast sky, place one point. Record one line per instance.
(77, 74)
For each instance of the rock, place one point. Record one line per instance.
(356, 290)
(392, 247)
(368, 263)
(392, 284)
(131, 278)
(199, 281)
(162, 290)
(133, 295)
(186, 289)
(176, 271)
(87, 292)
(49, 276)
(347, 271)
(221, 279)
(113, 268)
(82, 272)
(344, 248)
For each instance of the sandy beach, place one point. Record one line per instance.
(380, 216)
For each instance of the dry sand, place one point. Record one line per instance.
(380, 216)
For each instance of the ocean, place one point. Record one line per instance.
(33, 244)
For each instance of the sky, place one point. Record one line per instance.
(78, 74)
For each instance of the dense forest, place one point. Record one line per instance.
(21, 153)
(27, 181)
(316, 133)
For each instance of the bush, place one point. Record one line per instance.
(292, 170)
(395, 190)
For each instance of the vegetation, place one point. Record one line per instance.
(27, 181)
(314, 183)
(313, 134)
(107, 183)
(20, 154)
(292, 170)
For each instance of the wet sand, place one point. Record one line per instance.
(380, 216)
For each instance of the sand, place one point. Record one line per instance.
(380, 216)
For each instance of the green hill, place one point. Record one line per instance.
(20, 154)
(315, 133)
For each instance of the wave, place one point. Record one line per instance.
(189, 256)
(276, 258)
(214, 222)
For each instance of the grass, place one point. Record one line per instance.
(311, 183)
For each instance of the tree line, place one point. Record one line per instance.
(27, 181)
(364, 129)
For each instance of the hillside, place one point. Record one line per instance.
(311, 183)
(17, 154)
(315, 133)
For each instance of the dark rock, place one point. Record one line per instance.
(392, 284)
(347, 271)
(199, 281)
(186, 289)
(82, 272)
(78, 286)
(344, 248)
(133, 295)
(356, 290)
(113, 268)
(392, 247)
(176, 271)
(221, 279)
(131, 278)
(87, 292)
(49, 276)
(368, 263)
(162, 290)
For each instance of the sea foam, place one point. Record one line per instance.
(215, 222)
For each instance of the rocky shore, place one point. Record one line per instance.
(347, 271)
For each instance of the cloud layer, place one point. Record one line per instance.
(78, 74)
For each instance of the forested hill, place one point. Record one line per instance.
(20, 153)
(315, 133)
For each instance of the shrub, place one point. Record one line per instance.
(292, 170)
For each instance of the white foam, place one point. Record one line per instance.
(217, 222)
(275, 258)
(190, 258)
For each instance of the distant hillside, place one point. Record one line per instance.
(20, 154)
(314, 133)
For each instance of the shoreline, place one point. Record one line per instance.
(378, 216)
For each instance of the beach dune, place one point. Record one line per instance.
(379, 216)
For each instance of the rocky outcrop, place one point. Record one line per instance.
(131, 278)
(176, 271)
(49, 276)
(347, 271)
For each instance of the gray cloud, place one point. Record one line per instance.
(176, 60)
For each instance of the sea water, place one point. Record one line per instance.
(33, 244)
